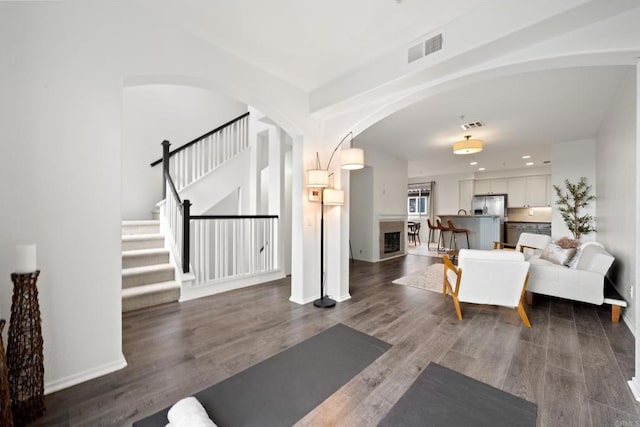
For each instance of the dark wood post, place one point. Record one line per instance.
(165, 166)
(186, 232)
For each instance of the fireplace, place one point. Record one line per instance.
(391, 242)
(392, 238)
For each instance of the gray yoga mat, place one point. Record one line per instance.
(282, 389)
(442, 397)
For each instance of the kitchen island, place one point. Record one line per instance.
(483, 230)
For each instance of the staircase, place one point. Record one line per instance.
(147, 275)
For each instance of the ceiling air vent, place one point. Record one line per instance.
(472, 125)
(434, 44)
(424, 48)
(416, 52)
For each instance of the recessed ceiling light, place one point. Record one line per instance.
(526, 157)
(481, 169)
(473, 163)
(529, 163)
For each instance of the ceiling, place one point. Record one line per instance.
(523, 115)
(309, 43)
(312, 43)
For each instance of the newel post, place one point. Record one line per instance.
(186, 232)
(165, 166)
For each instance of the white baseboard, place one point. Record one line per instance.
(204, 290)
(303, 301)
(307, 300)
(635, 389)
(629, 322)
(83, 376)
(344, 297)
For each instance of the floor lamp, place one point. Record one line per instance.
(350, 159)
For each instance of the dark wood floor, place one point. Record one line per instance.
(573, 362)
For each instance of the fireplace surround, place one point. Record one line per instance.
(392, 239)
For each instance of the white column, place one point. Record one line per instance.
(305, 243)
(253, 190)
(276, 171)
(634, 383)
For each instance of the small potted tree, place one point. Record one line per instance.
(571, 200)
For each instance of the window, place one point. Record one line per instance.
(417, 205)
(418, 199)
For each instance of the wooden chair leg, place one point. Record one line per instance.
(529, 298)
(523, 315)
(457, 304)
(615, 313)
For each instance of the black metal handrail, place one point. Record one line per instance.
(190, 143)
(234, 217)
(185, 208)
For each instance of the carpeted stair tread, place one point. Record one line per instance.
(142, 252)
(134, 271)
(140, 222)
(148, 274)
(148, 277)
(140, 227)
(136, 237)
(142, 257)
(132, 242)
(150, 288)
(150, 295)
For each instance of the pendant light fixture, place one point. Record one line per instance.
(467, 146)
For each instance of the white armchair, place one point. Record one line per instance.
(487, 277)
(526, 241)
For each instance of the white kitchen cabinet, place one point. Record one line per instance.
(517, 194)
(491, 186)
(537, 190)
(529, 191)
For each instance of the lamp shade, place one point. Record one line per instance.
(331, 196)
(467, 146)
(317, 178)
(352, 158)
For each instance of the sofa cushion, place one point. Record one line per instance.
(557, 255)
(593, 257)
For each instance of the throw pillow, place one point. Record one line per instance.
(573, 263)
(566, 243)
(557, 255)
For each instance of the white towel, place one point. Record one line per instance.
(188, 412)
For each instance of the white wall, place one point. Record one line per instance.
(61, 130)
(572, 160)
(445, 197)
(151, 114)
(361, 214)
(616, 181)
(389, 193)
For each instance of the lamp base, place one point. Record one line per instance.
(324, 302)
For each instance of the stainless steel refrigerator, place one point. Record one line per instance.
(491, 204)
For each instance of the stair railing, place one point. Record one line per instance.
(196, 158)
(225, 246)
(234, 246)
(176, 212)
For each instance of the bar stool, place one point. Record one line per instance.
(442, 229)
(454, 231)
(432, 230)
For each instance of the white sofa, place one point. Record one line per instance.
(582, 282)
